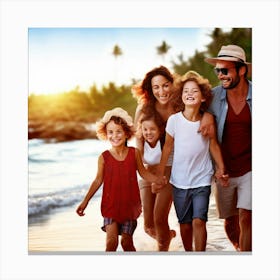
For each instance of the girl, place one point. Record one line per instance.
(192, 168)
(120, 204)
(151, 127)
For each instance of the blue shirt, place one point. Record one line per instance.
(219, 107)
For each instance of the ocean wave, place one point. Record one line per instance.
(40, 152)
(35, 142)
(59, 174)
(37, 160)
(43, 203)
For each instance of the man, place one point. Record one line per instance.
(231, 106)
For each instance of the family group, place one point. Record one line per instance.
(190, 138)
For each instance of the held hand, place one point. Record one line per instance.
(161, 180)
(159, 184)
(223, 179)
(156, 188)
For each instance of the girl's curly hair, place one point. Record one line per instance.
(204, 86)
(118, 116)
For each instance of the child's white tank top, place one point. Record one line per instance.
(152, 156)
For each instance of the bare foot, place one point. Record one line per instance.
(165, 247)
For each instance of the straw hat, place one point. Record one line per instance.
(229, 53)
(117, 112)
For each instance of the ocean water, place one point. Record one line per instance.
(59, 174)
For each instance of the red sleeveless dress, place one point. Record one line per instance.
(120, 198)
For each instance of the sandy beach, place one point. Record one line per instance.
(67, 233)
(55, 228)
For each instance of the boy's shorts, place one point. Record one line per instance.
(237, 195)
(127, 227)
(191, 203)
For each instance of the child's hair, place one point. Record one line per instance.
(148, 113)
(118, 116)
(203, 84)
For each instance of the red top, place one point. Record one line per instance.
(237, 142)
(120, 197)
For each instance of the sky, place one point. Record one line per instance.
(60, 59)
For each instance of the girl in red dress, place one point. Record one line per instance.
(117, 171)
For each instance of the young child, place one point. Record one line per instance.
(151, 128)
(120, 204)
(192, 168)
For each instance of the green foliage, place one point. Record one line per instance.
(112, 96)
(236, 36)
(90, 106)
(80, 106)
(182, 66)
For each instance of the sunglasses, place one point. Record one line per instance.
(224, 71)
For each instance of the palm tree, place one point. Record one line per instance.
(117, 51)
(163, 49)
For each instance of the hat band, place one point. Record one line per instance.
(241, 60)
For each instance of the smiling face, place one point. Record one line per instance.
(191, 94)
(161, 88)
(232, 79)
(115, 134)
(150, 131)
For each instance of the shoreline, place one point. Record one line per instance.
(64, 232)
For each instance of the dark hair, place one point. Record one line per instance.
(127, 129)
(238, 65)
(148, 113)
(102, 132)
(144, 92)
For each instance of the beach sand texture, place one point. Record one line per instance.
(67, 233)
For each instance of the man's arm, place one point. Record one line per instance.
(207, 125)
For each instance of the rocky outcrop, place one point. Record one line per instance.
(61, 131)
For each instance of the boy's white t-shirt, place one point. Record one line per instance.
(192, 165)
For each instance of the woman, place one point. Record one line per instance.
(156, 93)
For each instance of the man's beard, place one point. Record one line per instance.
(233, 83)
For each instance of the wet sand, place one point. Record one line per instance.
(66, 232)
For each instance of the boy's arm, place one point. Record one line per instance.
(95, 185)
(166, 150)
